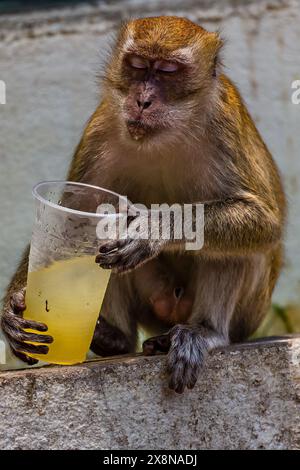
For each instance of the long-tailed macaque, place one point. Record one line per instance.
(172, 128)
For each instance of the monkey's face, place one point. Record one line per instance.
(161, 76)
(153, 89)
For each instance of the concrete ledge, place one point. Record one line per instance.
(248, 397)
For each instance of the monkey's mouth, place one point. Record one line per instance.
(138, 129)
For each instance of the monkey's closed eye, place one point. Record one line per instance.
(137, 62)
(167, 67)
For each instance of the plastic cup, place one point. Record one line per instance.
(65, 287)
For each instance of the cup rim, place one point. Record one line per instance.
(40, 198)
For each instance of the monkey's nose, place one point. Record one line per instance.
(143, 104)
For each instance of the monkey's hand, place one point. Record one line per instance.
(13, 325)
(187, 348)
(123, 255)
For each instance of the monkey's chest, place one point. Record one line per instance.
(158, 190)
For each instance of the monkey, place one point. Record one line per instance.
(171, 127)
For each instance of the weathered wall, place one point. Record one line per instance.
(49, 61)
(246, 398)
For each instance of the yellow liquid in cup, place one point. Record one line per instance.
(67, 297)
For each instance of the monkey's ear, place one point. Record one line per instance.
(214, 46)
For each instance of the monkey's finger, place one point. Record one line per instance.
(32, 325)
(108, 261)
(29, 360)
(14, 332)
(177, 380)
(112, 246)
(120, 262)
(178, 387)
(28, 348)
(187, 375)
(173, 362)
(184, 376)
(22, 336)
(176, 367)
(33, 337)
(13, 325)
(192, 382)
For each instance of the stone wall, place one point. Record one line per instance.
(247, 397)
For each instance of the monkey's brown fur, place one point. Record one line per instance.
(194, 142)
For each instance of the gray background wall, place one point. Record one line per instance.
(49, 61)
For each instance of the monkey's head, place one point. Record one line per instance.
(162, 74)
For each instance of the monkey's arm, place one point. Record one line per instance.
(241, 224)
(235, 225)
(18, 282)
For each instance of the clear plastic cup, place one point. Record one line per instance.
(65, 287)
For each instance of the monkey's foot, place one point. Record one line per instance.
(157, 344)
(185, 357)
(109, 340)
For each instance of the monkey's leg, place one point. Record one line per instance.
(255, 298)
(218, 287)
(116, 329)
